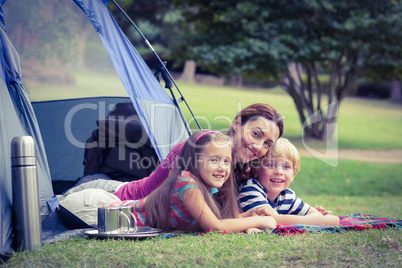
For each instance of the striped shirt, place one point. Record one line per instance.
(253, 195)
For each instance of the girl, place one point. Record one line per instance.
(183, 202)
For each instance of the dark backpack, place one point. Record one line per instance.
(120, 147)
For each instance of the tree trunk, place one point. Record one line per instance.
(236, 80)
(188, 74)
(239, 80)
(330, 125)
(396, 91)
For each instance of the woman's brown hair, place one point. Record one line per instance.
(246, 115)
(224, 205)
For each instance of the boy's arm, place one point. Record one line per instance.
(313, 217)
(253, 202)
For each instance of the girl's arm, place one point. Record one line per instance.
(196, 205)
(313, 217)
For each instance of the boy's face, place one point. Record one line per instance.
(275, 174)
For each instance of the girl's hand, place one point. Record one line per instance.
(261, 211)
(323, 211)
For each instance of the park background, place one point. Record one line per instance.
(68, 65)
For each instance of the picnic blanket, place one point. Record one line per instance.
(353, 222)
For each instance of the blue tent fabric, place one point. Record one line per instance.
(154, 106)
(16, 119)
(2, 24)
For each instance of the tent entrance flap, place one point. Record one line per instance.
(78, 131)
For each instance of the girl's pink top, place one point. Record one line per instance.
(138, 189)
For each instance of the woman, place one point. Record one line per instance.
(254, 130)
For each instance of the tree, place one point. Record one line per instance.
(294, 42)
(49, 36)
(188, 73)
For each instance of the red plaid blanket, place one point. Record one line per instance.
(354, 222)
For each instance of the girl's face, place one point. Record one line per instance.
(214, 164)
(253, 139)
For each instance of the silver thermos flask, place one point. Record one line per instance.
(26, 207)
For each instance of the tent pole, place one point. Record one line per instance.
(165, 69)
(168, 85)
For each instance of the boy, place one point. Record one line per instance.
(269, 189)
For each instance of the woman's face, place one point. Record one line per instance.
(253, 139)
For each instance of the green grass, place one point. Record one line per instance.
(373, 248)
(350, 187)
(388, 206)
(87, 84)
(349, 178)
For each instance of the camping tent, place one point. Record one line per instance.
(60, 128)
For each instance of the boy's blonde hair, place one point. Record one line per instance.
(284, 148)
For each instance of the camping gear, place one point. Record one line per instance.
(82, 34)
(120, 147)
(133, 221)
(142, 232)
(112, 220)
(26, 213)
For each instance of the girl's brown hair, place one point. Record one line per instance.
(248, 114)
(224, 204)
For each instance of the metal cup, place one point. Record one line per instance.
(128, 210)
(112, 220)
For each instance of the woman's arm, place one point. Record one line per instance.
(313, 217)
(196, 205)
